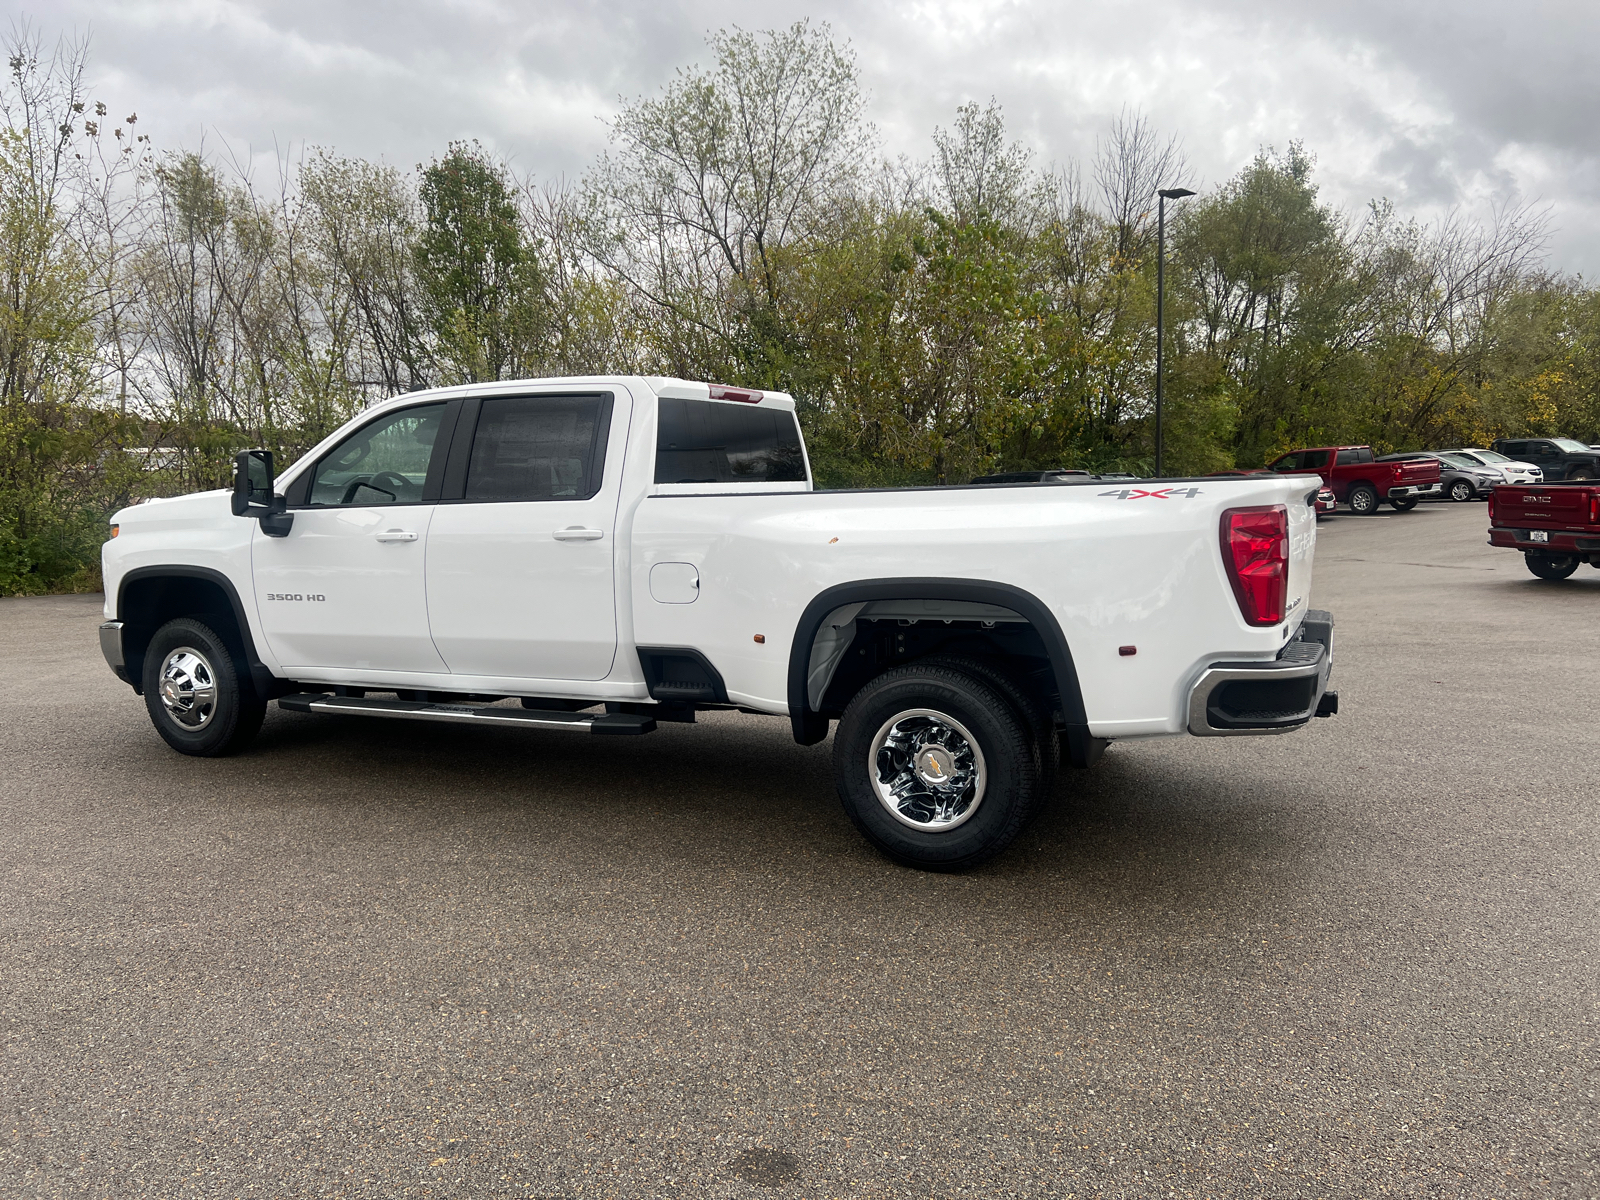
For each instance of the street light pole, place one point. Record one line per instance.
(1165, 194)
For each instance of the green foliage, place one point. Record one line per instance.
(478, 275)
(934, 320)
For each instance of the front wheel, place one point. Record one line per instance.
(1580, 473)
(935, 768)
(1551, 566)
(1363, 500)
(193, 693)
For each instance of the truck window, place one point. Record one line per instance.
(1300, 462)
(385, 462)
(702, 441)
(1347, 457)
(539, 448)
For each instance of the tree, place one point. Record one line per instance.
(477, 272)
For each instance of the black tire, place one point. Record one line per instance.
(1580, 473)
(1011, 788)
(1462, 490)
(1549, 566)
(1363, 500)
(186, 721)
(1402, 505)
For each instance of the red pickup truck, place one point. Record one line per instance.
(1359, 481)
(1555, 524)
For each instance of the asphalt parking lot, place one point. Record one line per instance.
(382, 959)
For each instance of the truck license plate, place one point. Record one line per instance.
(1538, 535)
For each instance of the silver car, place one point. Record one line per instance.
(1515, 472)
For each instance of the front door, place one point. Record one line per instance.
(521, 570)
(345, 588)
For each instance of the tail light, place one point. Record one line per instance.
(1491, 507)
(742, 395)
(1594, 508)
(1255, 549)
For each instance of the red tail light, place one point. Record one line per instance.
(1594, 508)
(1491, 506)
(1255, 549)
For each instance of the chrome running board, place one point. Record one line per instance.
(613, 724)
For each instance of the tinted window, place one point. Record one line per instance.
(382, 463)
(1515, 449)
(701, 441)
(539, 448)
(1346, 457)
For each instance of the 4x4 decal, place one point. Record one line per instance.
(1157, 494)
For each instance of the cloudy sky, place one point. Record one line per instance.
(1434, 105)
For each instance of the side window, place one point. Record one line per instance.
(385, 462)
(1514, 449)
(539, 448)
(1347, 457)
(703, 441)
(1364, 455)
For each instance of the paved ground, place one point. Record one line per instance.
(372, 959)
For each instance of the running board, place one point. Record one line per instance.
(612, 724)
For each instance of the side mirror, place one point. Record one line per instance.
(253, 495)
(252, 483)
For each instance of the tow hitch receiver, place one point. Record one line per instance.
(613, 724)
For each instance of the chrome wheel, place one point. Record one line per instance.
(188, 688)
(926, 770)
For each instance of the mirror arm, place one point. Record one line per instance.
(277, 520)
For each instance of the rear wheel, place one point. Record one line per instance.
(1363, 500)
(1403, 505)
(935, 767)
(193, 692)
(1462, 490)
(1551, 566)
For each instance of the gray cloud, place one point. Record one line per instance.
(1436, 106)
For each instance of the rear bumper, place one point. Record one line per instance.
(1584, 545)
(111, 647)
(1234, 699)
(1418, 489)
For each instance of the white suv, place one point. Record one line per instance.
(1515, 472)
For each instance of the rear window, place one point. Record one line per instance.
(701, 441)
(539, 448)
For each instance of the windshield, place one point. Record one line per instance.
(1570, 446)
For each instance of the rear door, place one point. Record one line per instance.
(521, 551)
(1548, 457)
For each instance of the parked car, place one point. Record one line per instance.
(1558, 458)
(1326, 502)
(1515, 472)
(1555, 525)
(1360, 481)
(1461, 478)
(598, 555)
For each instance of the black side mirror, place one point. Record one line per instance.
(253, 495)
(252, 483)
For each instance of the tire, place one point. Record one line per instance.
(953, 726)
(1461, 490)
(1581, 473)
(1549, 566)
(1402, 505)
(193, 692)
(1036, 716)
(1363, 500)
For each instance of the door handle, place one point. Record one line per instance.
(577, 533)
(395, 535)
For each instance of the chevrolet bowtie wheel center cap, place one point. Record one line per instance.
(936, 766)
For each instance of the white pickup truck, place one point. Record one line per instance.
(600, 554)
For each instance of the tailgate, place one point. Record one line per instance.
(1545, 507)
(1416, 471)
